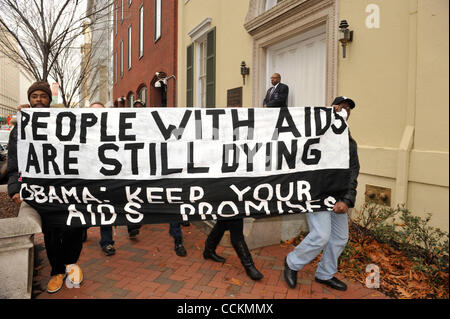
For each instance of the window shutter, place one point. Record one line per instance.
(211, 68)
(190, 76)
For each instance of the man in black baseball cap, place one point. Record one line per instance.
(328, 229)
(343, 102)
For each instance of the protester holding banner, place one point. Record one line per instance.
(63, 245)
(328, 230)
(106, 232)
(106, 236)
(133, 230)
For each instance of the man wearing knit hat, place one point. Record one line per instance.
(39, 95)
(63, 246)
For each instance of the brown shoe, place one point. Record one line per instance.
(55, 283)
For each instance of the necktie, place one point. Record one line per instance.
(271, 92)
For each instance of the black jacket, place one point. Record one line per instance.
(279, 96)
(13, 171)
(349, 197)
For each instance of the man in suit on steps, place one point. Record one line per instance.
(277, 95)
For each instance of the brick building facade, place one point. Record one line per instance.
(145, 67)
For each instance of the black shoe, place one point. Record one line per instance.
(211, 243)
(246, 259)
(208, 254)
(333, 283)
(109, 250)
(179, 250)
(253, 273)
(290, 275)
(133, 233)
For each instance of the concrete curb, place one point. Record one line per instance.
(17, 252)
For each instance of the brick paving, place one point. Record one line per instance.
(148, 268)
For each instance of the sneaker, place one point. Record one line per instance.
(74, 274)
(109, 250)
(55, 283)
(133, 233)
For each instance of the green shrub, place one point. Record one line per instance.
(427, 246)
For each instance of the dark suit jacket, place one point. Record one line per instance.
(279, 96)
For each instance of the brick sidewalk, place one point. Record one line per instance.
(148, 268)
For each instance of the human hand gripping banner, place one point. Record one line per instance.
(92, 167)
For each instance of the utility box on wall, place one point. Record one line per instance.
(377, 194)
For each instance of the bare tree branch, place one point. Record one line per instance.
(34, 23)
(40, 35)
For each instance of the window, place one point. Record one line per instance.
(115, 19)
(142, 94)
(200, 66)
(129, 47)
(201, 72)
(121, 59)
(205, 69)
(157, 19)
(121, 11)
(141, 31)
(115, 67)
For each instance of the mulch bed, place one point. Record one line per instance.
(8, 208)
(399, 278)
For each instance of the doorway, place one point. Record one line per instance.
(301, 62)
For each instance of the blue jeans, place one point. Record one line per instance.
(106, 236)
(328, 232)
(175, 230)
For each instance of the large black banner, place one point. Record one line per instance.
(96, 167)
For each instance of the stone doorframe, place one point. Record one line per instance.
(285, 20)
